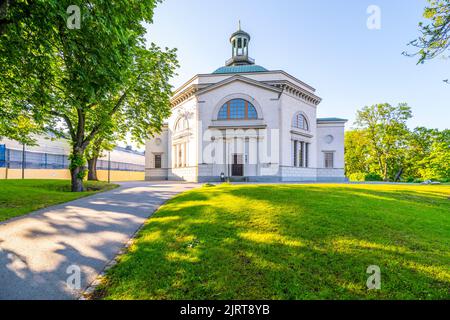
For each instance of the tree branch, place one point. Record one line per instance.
(68, 123)
(116, 107)
(80, 128)
(99, 125)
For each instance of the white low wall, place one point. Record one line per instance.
(183, 174)
(331, 175)
(156, 174)
(298, 174)
(286, 174)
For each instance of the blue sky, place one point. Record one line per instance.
(324, 43)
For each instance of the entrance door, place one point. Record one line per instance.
(237, 168)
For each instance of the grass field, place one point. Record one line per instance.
(18, 197)
(290, 242)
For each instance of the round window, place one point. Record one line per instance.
(329, 139)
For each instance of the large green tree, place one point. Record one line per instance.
(386, 132)
(76, 80)
(420, 141)
(357, 152)
(430, 154)
(439, 159)
(383, 144)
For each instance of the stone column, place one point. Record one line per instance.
(178, 155)
(184, 155)
(304, 154)
(258, 156)
(174, 156)
(307, 155)
(302, 150)
(295, 153)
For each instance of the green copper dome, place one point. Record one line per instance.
(240, 69)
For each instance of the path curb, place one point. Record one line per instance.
(87, 293)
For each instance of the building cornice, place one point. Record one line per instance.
(190, 89)
(184, 85)
(258, 73)
(184, 95)
(331, 121)
(196, 89)
(296, 91)
(242, 79)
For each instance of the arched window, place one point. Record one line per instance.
(182, 124)
(300, 122)
(237, 109)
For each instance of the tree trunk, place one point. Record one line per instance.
(385, 171)
(398, 175)
(92, 167)
(77, 183)
(77, 169)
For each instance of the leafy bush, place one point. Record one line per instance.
(358, 176)
(373, 177)
(361, 176)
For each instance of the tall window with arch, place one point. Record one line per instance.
(181, 144)
(300, 122)
(182, 124)
(238, 109)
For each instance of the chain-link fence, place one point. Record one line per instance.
(16, 159)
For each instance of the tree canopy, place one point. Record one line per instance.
(385, 128)
(77, 81)
(382, 147)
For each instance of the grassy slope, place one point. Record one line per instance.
(291, 242)
(18, 197)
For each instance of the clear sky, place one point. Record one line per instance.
(325, 43)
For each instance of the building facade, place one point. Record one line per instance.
(248, 123)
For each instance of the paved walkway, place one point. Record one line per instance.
(38, 252)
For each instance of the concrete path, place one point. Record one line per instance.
(40, 251)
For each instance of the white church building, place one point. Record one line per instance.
(247, 123)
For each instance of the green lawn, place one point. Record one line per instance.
(290, 242)
(18, 197)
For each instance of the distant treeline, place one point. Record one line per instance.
(383, 148)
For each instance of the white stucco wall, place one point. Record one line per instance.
(291, 107)
(188, 110)
(157, 145)
(336, 130)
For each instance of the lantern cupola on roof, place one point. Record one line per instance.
(239, 44)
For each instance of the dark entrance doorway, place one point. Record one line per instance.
(237, 168)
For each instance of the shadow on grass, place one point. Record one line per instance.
(286, 242)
